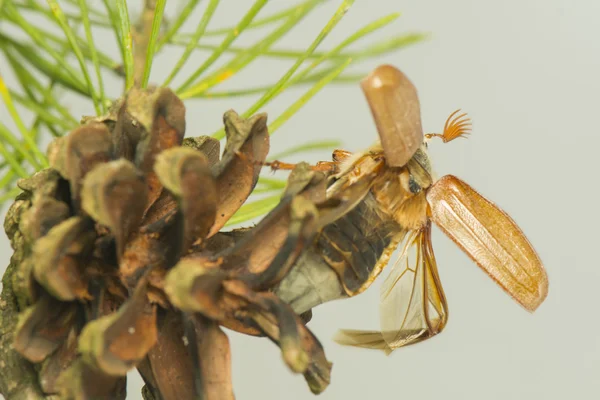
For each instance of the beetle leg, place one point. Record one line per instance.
(276, 165)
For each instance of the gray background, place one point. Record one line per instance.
(526, 71)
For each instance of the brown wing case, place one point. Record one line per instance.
(395, 107)
(491, 238)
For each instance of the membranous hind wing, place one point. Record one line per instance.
(413, 306)
(491, 238)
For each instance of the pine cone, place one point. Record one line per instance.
(119, 261)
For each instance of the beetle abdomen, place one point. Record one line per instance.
(342, 260)
(353, 245)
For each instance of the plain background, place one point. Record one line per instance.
(527, 72)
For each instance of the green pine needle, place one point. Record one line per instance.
(101, 21)
(370, 28)
(233, 34)
(92, 10)
(193, 42)
(39, 39)
(43, 113)
(32, 153)
(285, 81)
(374, 49)
(56, 126)
(62, 21)
(93, 52)
(287, 114)
(177, 24)
(7, 137)
(244, 58)
(279, 86)
(32, 56)
(254, 209)
(261, 22)
(115, 23)
(311, 79)
(127, 41)
(29, 83)
(264, 189)
(274, 184)
(268, 185)
(98, 17)
(104, 59)
(158, 16)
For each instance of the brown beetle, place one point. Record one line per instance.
(402, 198)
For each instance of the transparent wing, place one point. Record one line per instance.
(412, 305)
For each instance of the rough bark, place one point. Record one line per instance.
(18, 377)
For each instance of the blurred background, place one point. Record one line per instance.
(527, 73)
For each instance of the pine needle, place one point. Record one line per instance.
(126, 40)
(158, 16)
(62, 21)
(234, 34)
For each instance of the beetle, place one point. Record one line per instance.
(402, 201)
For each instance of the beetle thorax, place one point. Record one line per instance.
(400, 191)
